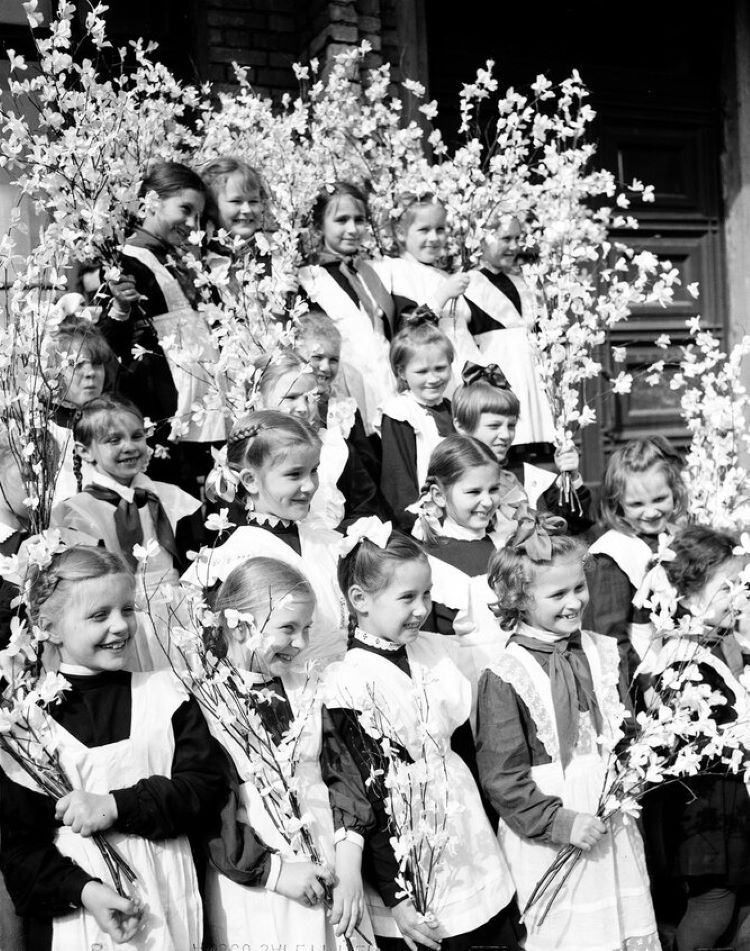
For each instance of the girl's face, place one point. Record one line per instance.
(81, 379)
(324, 357)
(714, 604)
(424, 238)
(240, 208)
(557, 596)
(500, 246)
(648, 502)
(344, 224)
(175, 216)
(294, 393)
(497, 431)
(13, 489)
(122, 452)
(284, 487)
(427, 374)
(96, 624)
(284, 633)
(473, 499)
(397, 611)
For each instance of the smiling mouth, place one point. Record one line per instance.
(286, 658)
(116, 647)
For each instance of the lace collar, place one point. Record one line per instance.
(378, 642)
(260, 518)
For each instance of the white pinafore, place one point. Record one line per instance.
(317, 563)
(362, 346)
(328, 504)
(168, 883)
(257, 919)
(632, 555)
(405, 409)
(472, 882)
(510, 348)
(605, 905)
(199, 416)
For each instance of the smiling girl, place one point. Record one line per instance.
(545, 704)
(120, 507)
(342, 282)
(268, 483)
(392, 666)
(279, 897)
(155, 300)
(413, 423)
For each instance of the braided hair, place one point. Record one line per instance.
(371, 568)
(72, 565)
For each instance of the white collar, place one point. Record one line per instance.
(372, 641)
(260, 518)
(451, 529)
(407, 256)
(127, 492)
(539, 635)
(77, 670)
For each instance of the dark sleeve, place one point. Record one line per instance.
(232, 846)
(579, 522)
(359, 491)
(610, 608)
(9, 592)
(41, 881)
(162, 808)
(440, 619)
(368, 447)
(398, 482)
(346, 761)
(504, 732)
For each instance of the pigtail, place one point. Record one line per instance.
(78, 469)
(351, 629)
(428, 527)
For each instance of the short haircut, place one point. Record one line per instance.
(469, 402)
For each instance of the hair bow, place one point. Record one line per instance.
(370, 528)
(533, 534)
(419, 316)
(492, 374)
(221, 481)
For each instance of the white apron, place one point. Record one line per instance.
(510, 348)
(165, 870)
(361, 345)
(605, 904)
(632, 555)
(472, 880)
(405, 409)
(328, 503)
(318, 564)
(199, 416)
(255, 918)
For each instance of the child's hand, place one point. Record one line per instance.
(456, 285)
(567, 460)
(304, 882)
(124, 291)
(85, 812)
(587, 831)
(348, 893)
(414, 928)
(119, 917)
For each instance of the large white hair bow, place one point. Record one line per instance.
(370, 528)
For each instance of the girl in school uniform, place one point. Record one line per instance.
(414, 422)
(343, 283)
(503, 312)
(486, 407)
(119, 506)
(144, 770)
(642, 496)
(461, 497)
(268, 482)
(392, 666)
(282, 900)
(699, 828)
(155, 299)
(87, 360)
(543, 703)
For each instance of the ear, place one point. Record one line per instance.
(44, 625)
(358, 598)
(461, 430)
(85, 453)
(249, 481)
(438, 496)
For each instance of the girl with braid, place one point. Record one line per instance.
(119, 507)
(267, 483)
(396, 669)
